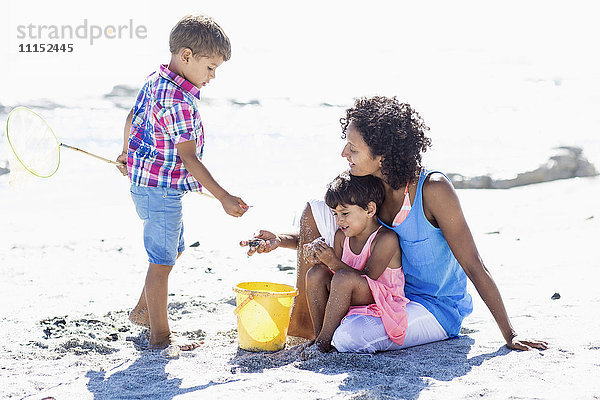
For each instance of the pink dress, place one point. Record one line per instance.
(387, 290)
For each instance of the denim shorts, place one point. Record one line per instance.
(161, 210)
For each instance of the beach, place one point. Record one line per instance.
(501, 87)
(73, 265)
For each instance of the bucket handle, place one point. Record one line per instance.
(246, 301)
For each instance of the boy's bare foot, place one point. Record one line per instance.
(173, 350)
(172, 345)
(139, 317)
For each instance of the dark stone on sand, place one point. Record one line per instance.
(232, 301)
(47, 332)
(285, 267)
(555, 296)
(4, 170)
(195, 244)
(113, 337)
(53, 327)
(567, 163)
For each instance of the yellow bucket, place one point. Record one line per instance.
(263, 312)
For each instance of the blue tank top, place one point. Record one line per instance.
(434, 278)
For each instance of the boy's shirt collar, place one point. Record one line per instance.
(179, 81)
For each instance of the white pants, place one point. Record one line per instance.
(366, 334)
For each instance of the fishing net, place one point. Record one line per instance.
(35, 147)
(36, 150)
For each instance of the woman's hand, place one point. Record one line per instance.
(263, 242)
(523, 344)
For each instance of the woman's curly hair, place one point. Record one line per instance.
(393, 130)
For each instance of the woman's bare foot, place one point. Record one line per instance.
(139, 317)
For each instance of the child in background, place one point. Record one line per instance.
(362, 273)
(163, 144)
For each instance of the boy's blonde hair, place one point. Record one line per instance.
(202, 35)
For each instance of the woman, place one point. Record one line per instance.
(385, 138)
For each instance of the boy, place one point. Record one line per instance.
(163, 143)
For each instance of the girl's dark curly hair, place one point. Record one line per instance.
(393, 130)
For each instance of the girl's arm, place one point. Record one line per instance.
(442, 207)
(338, 244)
(385, 253)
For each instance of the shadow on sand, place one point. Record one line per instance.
(145, 378)
(401, 374)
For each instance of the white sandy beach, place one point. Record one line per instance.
(66, 298)
(500, 86)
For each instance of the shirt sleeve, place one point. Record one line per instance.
(179, 123)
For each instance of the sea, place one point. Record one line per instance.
(500, 84)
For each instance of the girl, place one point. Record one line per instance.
(362, 273)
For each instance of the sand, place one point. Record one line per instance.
(72, 267)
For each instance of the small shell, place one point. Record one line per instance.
(254, 242)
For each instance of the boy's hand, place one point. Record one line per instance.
(123, 160)
(233, 205)
(264, 242)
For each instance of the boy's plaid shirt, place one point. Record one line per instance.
(165, 114)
